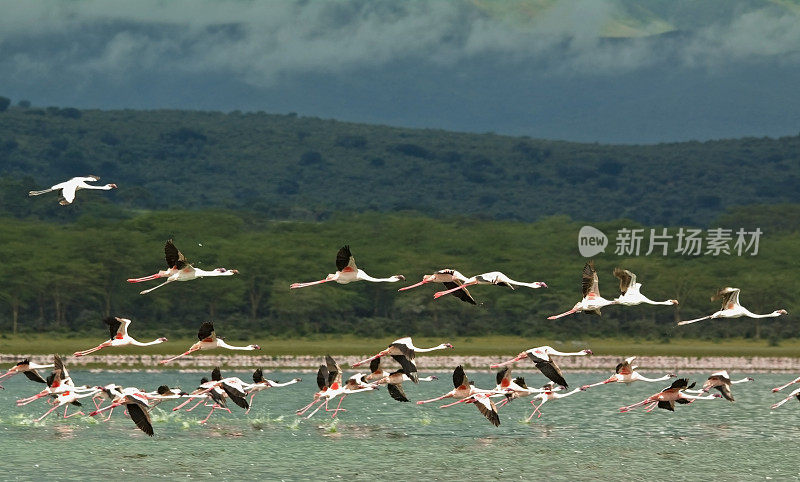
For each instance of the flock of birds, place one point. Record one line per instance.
(61, 391)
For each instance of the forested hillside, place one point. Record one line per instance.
(288, 167)
(67, 276)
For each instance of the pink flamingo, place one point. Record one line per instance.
(626, 373)
(347, 272)
(178, 269)
(541, 356)
(404, 351)
(208, 341)
(451, 279)
(629, 289)
(731, 308)
(465, 392)
(592, 301)
(491, 278)
(118, 330)
(667, 397)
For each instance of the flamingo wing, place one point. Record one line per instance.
(725, 390)
(409, 367)
(461, 294)
(459, 377)
(216, 375)
(33, 375)
(503, 374)
(551, 370)
(68, 193)
(667, 405)
(206, 331)
(174, 258)
(375, 365)
(396, 391)
(589, 279)
(258, 376)
(113, 326)
(58, 365)
(322, 377)
(140, 417)
(626, 279)
(487, 407)
(334, 372)
(344, 259)
(236, 395)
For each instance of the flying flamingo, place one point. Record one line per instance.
(65, 399)
(404, 351)
(329, 381)
(667, 397)
(394, 382)
(207, 389)
(778, 389)
(178, 269)
(260, 383)
(490, 278)
(451, 279)
(626, 373)
(58, 382)
(592, 301)
(137, 405)
(68, 188)
(722, 382)
(27, 368)
(541, 356)
(347, 272)
(548, 394)
(465, 392)
(511, 388)
(731, 308)
(208, 341)
(629, 289)
(118, 330)
(795, 393)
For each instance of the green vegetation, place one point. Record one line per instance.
(64, 278)
(289, 167)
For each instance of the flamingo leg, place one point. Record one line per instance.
(25, 401)
(686, 322)
(413, 286)
(778, 389)
(439, 294)
(70, 416)
(305, 409)
(317, 409)
(566, 313)
(650, 407)
(195, 405)
(463, 400)
(310, 283)
(144, 292)
(341, 399)
(209, 414)
(357, 364)
(46, 414)
(90, 350)
(446, 395)
(144, 278)
(178, 356)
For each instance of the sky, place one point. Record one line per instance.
(610, 71)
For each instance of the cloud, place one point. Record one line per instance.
(261, 43)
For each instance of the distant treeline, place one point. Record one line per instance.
(290, 167)
(66, 276)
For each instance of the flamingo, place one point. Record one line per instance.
(548, 393)
(329, 381)
(629, 289)
(778, 389)
(592, 301)
(541, 357)
(451, 279)
(178, 269)
(27, 368)
(491, 278)
(394, 382)
(667, 397)
(58, 382)
(626, 373)
(108, 392)
(722, 382)
(260, 383)
(65, 399)
(118, 329)
(465, 392)
(347, 272)
(137, 405)
(68, 188)
(795, 393)
(207, 389)
(731, 308)
(404, 351)
(511, 388)
(208, 341)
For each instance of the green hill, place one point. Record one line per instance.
(288, 167)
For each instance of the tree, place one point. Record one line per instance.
(4, 103)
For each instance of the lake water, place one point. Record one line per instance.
(578, 437)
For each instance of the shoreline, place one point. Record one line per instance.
(593, 363)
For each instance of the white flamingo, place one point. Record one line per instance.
(626, 373)
(118, 330)
(451, 279)
(208, 341)
(548, 394)
(722, 382)
(465, 392)
(541, 356)
(731, 308)
(137, 405)
(630, 291)
(68, 188)
(592, 301)
(347, 272)
(27, 368)
(178, 269)
(795, 393)
(491, 278)
(260, 383)
(404, 351)
(667, 397)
